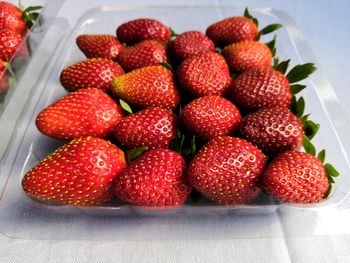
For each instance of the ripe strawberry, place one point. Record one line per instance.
(142, 29)
(11, 18)
(90, 73)
(260, 87)
(296, 177)
(99, 46)
(3, 77)
(210, 117)
(156, 178)
(147, 87)
(273, 130)
(247, 54)
(190, 43)
(143, 54)
(232, 30)
(226, 171)
(152, 127)
(79, 173)
(9, 42)
(205, 74)
(86, 112)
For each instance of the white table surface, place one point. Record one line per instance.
(325, 25)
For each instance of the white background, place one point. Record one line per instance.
(325, 25)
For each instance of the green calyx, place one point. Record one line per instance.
(29, 14)
(272, 45)
(125, 106)
(167, 66)
(329, 168)
(134, 153)
(186, 146)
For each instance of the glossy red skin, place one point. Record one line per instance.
(273, 130)
(248, 54)
(142, 29)
(156, 178)
(86, 112)
(91, 73)
(99, 46)
(232, 30)
(226, 171)
(190, 43)
(80, 173)
(11, 18)
(296, 177)
(260, 87)
(205, 74)
(3, 77)
(152, 127)
(151, 86)
(9, 42)
(143, 54)
(210, 117)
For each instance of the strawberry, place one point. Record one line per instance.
(296, 177)
(90, 73)
(143, 54)
(152, 127)
(11, 18)
(99, 46)
(79, 173)
(237, 29)
(226, 171)
(151, 86)
(142, 29)
(4, 80)
(156, 178)
(190, 43)
(273, 130)
(210, 117)
(247, 54)
(9, 42)
(260, 87)
(205, 74)
(86, 112)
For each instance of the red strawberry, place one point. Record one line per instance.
(205, 74)
(142, 29)
(152, 127)
(260, 87)
(11, 18)
(226, 171)
(9, 42)
(156, 178)
(232, 30)
(81, 173)
(190, 43)
(99, 46)
(90, 73)
(247, 54)
(273, 130)
(210, 116)
(3, 77)
(143, 54)
(296, 177)
(147, 87)
(86, 112)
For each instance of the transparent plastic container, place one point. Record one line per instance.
(22, 217)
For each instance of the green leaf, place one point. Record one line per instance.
(32, 8)
(282, 66)
(304, 118)
(125, 106)
(172, 33)
(293, 105)
(300, 107)
(275, 62)
(134, 153)
(300, 72)
(248, 15)
(331, 171)
(311, 128)
(329, 190)
(330, 179)
(308, 146)
(296, 88)
(270, 28)
(193, 145)
(322, 155)
(167, 66)
(272, 45)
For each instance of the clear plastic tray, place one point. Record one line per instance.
(22, 217)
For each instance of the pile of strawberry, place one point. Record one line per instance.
(211, 114)
(14, 25)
